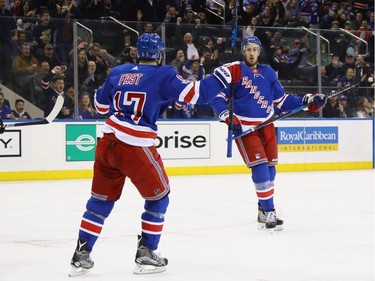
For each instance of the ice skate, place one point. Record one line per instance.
(269, 220)
(81, 262)
(146, 261)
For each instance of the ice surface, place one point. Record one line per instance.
(210, 231)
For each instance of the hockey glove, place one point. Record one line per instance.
(236, 124)
(314, 101)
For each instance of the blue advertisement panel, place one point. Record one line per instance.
(308, 139)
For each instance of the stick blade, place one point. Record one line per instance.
(55, 111)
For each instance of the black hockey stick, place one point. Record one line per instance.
(289, 113)
(53, 114)
(230, 100)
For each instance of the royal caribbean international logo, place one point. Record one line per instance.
(80, 142)
(308, 139)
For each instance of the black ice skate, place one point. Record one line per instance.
(81, 262)
(146, 261)
(269, 220)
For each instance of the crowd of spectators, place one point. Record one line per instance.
(36, 36)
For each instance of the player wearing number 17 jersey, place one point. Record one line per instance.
(134, 96)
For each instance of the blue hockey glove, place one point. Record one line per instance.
(314, 101)
(236, 124)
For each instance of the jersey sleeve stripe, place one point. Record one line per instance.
(101, 108)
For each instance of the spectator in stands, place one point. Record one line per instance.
(130, 55)
(334, 70)
(347, 79)
(170, 25)
(5, 111)
(15, 8)
(189, 48)
(210, 60)
(332, 108)
(93, 55)
(90, 81)
(364, 32)
(50, 56)
(193, 69)
(8, 31)
(281, 64)
(251, 27)
(293, 15)
(43, 32)
(17, 44)
(82, 67)
(365, 108)
(371, 21)
(179, 60)
(345, 108)
(305, 70)
(19, 111)
(326, 20)
(314, 15)
(357, 21)
(51, 93)
(277, 40)
(349, 62)
(24, 68)
(66, 12)
(326, 81)
(85, 109)
(247, 15)
(348, 26)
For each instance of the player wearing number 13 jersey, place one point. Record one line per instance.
(134, 96)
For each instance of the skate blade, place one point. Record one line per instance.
(262, 226)
(148, 269)
(77, 271)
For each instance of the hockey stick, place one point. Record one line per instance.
(230, 100)
(53, 114)
(289, 113)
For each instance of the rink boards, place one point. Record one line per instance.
(64, 150)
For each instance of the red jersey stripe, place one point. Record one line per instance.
(131, 132)
(189, 96)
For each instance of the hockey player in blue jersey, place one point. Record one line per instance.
(134, 96)
(255, 97)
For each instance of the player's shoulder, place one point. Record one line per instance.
(265, 67)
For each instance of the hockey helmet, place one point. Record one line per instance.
(251, 40)
(149, 46)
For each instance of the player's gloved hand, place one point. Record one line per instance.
(236, 124)
(230, 72)
(314, 100)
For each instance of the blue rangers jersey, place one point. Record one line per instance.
(255, 96)
(136, 95)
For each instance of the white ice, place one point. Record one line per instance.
(210, 231)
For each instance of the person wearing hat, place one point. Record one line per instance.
(50, 56)
(345, 108)
(349, 62)
(348, 26)
(314, 15)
